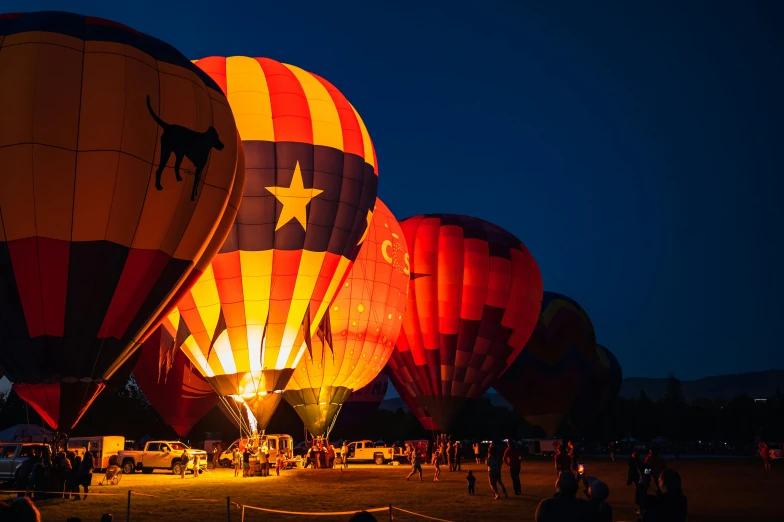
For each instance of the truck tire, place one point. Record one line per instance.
(128, 467)
(225, 463)
(176, 468)
(379, 459)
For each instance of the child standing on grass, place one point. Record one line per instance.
(471, 479)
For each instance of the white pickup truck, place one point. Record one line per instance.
(158, 454)
(365, 450)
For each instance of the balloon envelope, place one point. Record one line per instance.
(473, 300)
(544, 380)
(311, 184)
(92, 244)
(171, 383)
(365, 320)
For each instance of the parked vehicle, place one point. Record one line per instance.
(159, 454)
(102, 448)
(12, 454)
(543, 447)
(366, 451)
(776, 451)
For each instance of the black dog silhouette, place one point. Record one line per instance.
(184, 143)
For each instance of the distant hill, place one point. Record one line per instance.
(754, 384)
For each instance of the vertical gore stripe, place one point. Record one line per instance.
(53, 262)
(324, 116)
(215, 66)
(24, 257)
(353, 142)
(370, 157)
(249, 98)
(290, 111)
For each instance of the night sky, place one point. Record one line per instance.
(635, 149)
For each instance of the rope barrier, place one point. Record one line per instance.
(315, 514)
(420, 515)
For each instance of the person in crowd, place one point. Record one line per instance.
(449, 454)
(612, 450)
(513, 458)
(362, 516)
(217, 449)
(24, 472)
(458, 454)
(764, 452)
(669, 504)
(416, 467)
(407, 452)
(330, 456)
(85, 474)
(236, 458)
(263, 461)
(471, 479)
(562, 460)
(564, 505)
(184, 459)
(597, 509)
(309, 458)
(655, 462)
(322, 456)
(571, 451)
(477, 458)
(633, 475)
(72, 482)
(246, 462)
(494, 473)
(280, 462)
(437, 467)
(344, 454)
(21, 509)
(196, 462)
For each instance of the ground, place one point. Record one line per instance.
(718, 490)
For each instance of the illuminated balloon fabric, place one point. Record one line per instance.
(365, 319)
(421, 415)
(181, 396)
(473, 301)
(310, 189)
(544, 380)
(90, 251)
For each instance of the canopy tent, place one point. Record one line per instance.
(25, 433)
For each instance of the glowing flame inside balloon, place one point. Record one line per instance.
(254, 426)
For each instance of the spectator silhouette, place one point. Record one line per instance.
(21, 509)
(598, 510)
(362, 516)
(668, 504)
(563, 506)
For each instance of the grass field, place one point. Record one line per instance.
(718, 490)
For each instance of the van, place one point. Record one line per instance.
(102, 448)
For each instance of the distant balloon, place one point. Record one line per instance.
(176, 389)
(542, 383)
(307, 205)
(600, 387)
(96, 232)
(364, 321)
(474, 297)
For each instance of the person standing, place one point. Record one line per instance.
(330, 456)
(476, 453)
(494, 473)
(416, 467)
(344, 454)
(458, 451)
(513, 458)
(237, 460)
(449, 454)
(764, 452)
(437, 466)
(280, 462)
(86, 473)
(572, 453)
(246, 462)
(471, 479)
(184, 458)
(562, 460)
(612, 451)
(263, 461)
(196, 462)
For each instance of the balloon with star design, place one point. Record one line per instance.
(365, 320)
(311, 182)
(473, 300)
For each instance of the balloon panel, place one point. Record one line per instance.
(306, 206)
(421, 415)
(90, 249)
(474, 297)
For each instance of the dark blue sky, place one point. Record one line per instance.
(637, 150)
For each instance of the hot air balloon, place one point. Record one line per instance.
(176, 389)
(310, 190)
(365, 320)
(421, 415)
(473, 301)
(544, 380)
(97, 232)
(599, 388)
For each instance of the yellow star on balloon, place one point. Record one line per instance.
(295, 199)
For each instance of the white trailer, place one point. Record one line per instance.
(102, 448)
